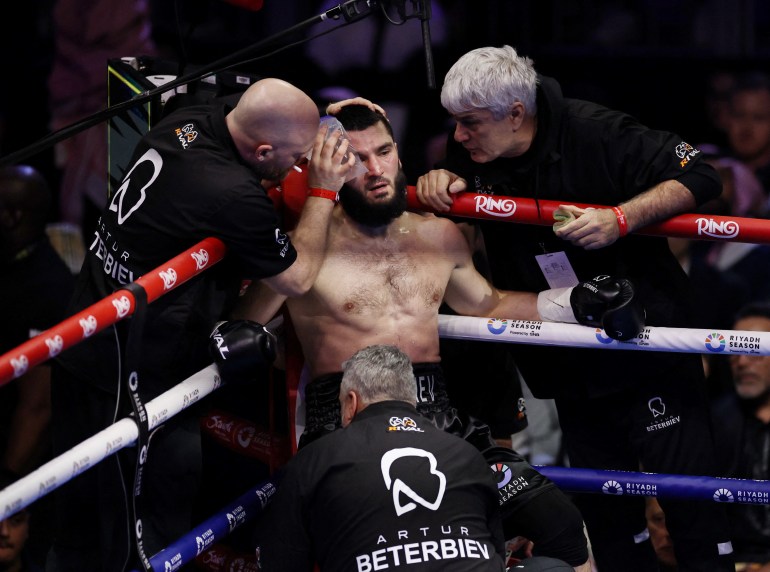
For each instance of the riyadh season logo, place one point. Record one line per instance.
(496, 326)
(723, 495)
(495, 206)
(503, 474)
(235, 518)
(175, 563)
(602, 338)
(230, 522)
(612, 488)
(400, 488)
(203, 541)
(715, 342)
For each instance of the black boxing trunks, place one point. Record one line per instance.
(322, 407)
(433, 403)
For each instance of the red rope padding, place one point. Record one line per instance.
(514, 209)
(247, 438)
(109, 310)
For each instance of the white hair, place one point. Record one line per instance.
(490, 78)
(380, 373)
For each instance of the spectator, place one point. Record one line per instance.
(388, 490)
(659, 535)
(35, 290)
(743, 418)
(735, 272)
(748, 124)
(87, 33)
(517, 135)
(197, 173)
(717, 108)
(14, 534)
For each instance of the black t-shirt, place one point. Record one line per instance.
(585, 153)
(390, 490)
(186, 182)
(35, 290)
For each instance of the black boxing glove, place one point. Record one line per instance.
(603, 302)
(240, 348)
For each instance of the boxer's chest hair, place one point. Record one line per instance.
(386, 274)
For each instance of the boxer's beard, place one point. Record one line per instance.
(378, 214)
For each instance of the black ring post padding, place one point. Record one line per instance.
(131, 379)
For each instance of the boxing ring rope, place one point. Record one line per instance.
(123, 433)
(111, 309)
(619, 483)
(121, 304)
(529, 211)
(616, 483)
(657, 339)
(202, 537)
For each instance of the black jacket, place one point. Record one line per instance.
(586, 153)
(390, 488)
(186, 182)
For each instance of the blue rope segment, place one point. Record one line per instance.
(217, 527)
(686, 487)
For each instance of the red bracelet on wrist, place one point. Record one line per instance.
(622, 222)
(323, 193)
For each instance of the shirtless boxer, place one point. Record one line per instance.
(384, 277)
(387, 271)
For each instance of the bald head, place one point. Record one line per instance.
(25, 203)
(273, 124)
(23, 186)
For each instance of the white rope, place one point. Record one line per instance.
(124, 433)
(725, 342)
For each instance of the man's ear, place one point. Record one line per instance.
(263, 152)
(517, 114)
(348, 407)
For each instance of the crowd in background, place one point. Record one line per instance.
(702, 84)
